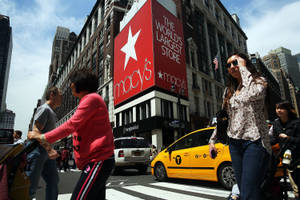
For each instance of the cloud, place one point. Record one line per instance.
(33, 30)
(277, 25)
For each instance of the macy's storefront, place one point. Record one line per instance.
(156, 116)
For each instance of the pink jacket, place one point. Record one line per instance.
(91, 131)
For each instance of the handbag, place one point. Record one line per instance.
(222, 125)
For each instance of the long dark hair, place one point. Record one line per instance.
(286, 105)
(232, 83)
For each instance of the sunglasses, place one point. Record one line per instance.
(234, 62)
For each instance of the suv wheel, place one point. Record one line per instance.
(160, 172)
(226, 176)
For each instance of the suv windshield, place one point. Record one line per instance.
(131, 143)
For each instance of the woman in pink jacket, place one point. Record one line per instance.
(92, 137)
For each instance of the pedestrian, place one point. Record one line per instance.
(249, 143)
(286, 132)
(235, 193)
(18, 137)
(92, 137)
(154, 152)
(41, 161)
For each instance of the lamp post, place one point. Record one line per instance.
(180, 92)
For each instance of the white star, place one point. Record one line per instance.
(160, 75)
(128, 48)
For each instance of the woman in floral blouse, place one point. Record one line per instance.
(249, 142)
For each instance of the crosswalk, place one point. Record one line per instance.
(159, 191)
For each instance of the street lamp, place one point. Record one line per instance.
(180, 92)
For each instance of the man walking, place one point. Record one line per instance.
(18, 137)
(42, 160)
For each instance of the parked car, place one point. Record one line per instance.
(188, 158)
(132, 152)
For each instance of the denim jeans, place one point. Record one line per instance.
(40, 165)
(250, 163)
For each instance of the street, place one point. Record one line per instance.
(130, 185)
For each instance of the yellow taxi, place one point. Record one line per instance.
(188, 158)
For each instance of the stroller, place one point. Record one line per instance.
(279, 180)
(14, 184)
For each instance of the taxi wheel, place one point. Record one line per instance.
(226, 176)
(160, 172)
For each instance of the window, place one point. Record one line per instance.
(184, 143)
(182, 113)
(197, 108)
(107, 92)
(167, 109)
(101, 79)
(127, 116)
(194, 140)
(101, 34)
(195, 81)
(108, 23)
(207, 108)
(193, 58)
(206, 3)
(143, 111)
(94, 58)
(117, 119)
(90, 30)
(200, 41)
(95, 21)
(219, 92)
(107, 38)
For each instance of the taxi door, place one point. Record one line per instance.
(202, 164)
(178, 162)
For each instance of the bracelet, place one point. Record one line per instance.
(43, 139)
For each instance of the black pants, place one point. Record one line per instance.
(91, 184)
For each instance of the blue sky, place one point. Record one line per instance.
(267, 23)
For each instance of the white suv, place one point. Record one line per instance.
(132, 152)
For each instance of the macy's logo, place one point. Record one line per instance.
(133, 80)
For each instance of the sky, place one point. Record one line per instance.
(268, 25)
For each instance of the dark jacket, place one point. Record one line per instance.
(292, 129)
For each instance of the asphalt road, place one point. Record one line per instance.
(131, 180)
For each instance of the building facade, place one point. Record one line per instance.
(159, 115)
(62, 45)
(209, 31)
(7, 119)
(273, 63)
(288, 63)
(288, 89)
(5, 57)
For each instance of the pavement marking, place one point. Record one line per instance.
(64, 196)
(162, 194)
(112, 194)
(195, 189)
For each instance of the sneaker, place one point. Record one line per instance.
(233, 197)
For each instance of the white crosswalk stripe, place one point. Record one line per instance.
(160, 190)
(163, 194)
(195, 189)
(112, 194)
